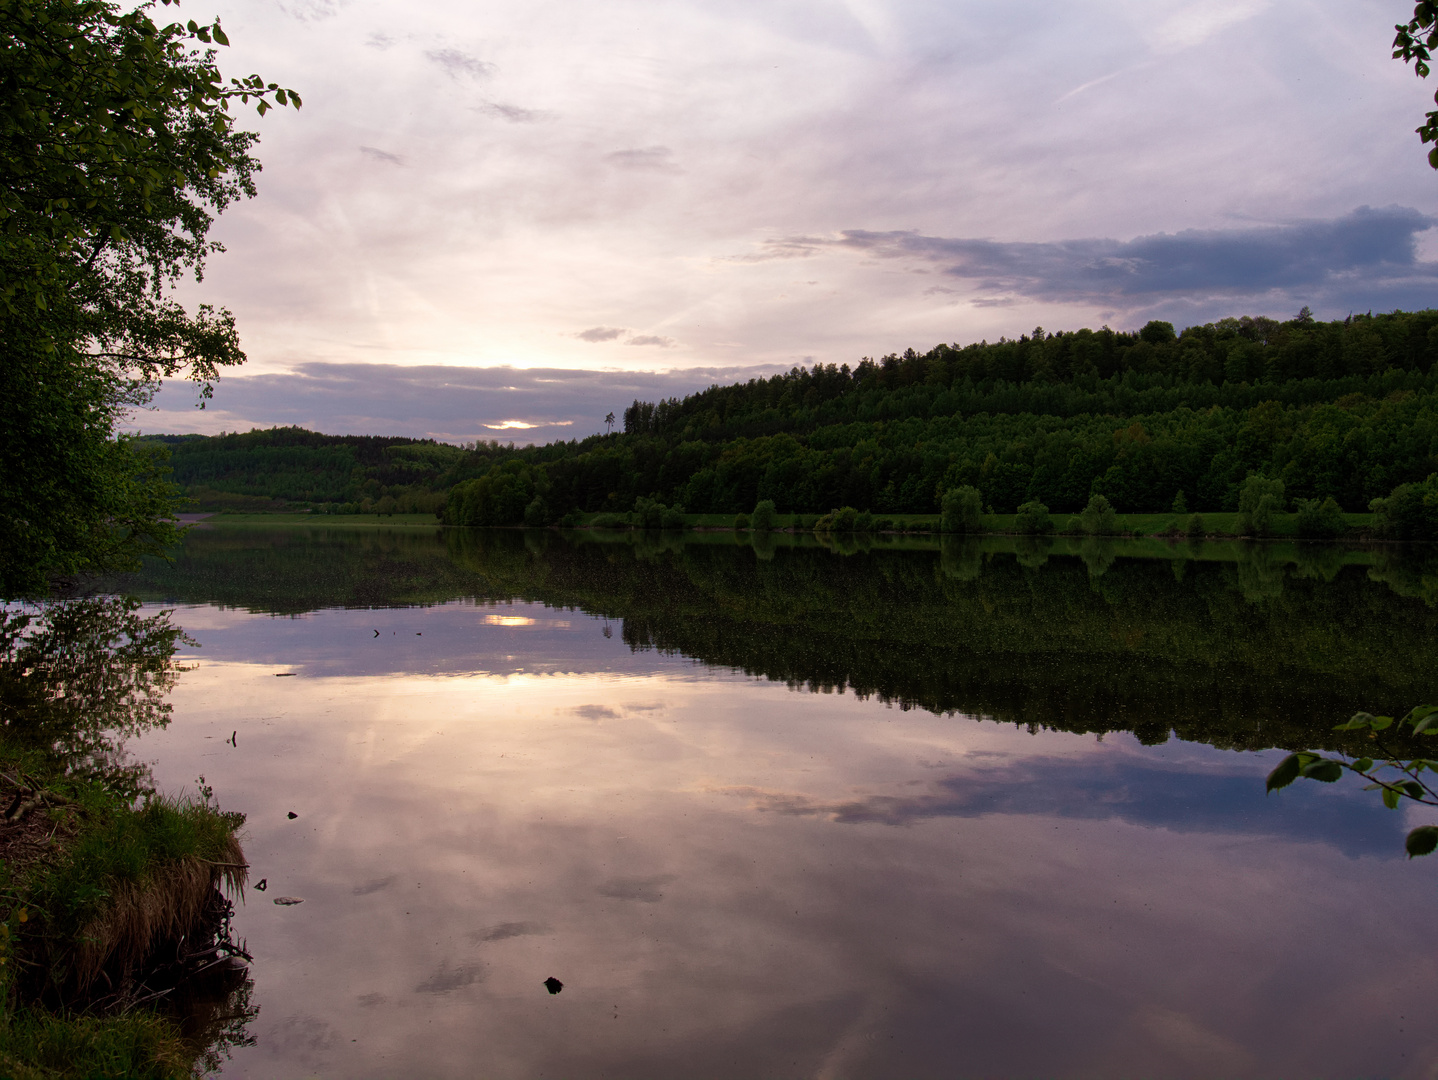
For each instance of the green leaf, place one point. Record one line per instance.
(1379, 723)
(1356, 723)
(1284, 774)
(1390, 798)
(1421, 841)
(1363, 764)
(219, 34)
(1413, 788)
(1323, 770)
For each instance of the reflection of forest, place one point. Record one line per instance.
(1233, 645)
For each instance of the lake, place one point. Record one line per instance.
(776, 808)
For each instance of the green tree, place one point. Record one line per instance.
(1410, 512)
(1321, 520)
(1258, 500)
(960, 510)
(1033, 518)
(762, 520)
(117, 150)
(1098, 517)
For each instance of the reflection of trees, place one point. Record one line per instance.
(77, 678)
(1098, 554)
(1233, 648)
(1260, 575)
(961, 557)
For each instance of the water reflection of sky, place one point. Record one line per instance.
(733, 879)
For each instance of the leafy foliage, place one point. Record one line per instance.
(1415, 41)
(1395, 777)
(116, 152)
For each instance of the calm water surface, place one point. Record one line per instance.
(803, 813)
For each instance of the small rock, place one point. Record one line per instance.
(551, 984)
(290, 901)
(292, 815)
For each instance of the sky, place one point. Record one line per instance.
(505, 220)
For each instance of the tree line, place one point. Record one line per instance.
(1341, 411)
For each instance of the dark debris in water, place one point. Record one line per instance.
(551, 984)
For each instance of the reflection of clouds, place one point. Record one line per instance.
(447, 979)
(1101, 786)
(373, 886)
(1026, 933)
(646, 890)
(505, 931)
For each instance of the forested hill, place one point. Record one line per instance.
(1347, 409)
(284, 467)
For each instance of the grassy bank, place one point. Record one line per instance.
(111, 895)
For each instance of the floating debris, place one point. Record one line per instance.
(551, 984)
(376, 633)
(292, 815)
(291, 901)
(262, 884)
(285, 674)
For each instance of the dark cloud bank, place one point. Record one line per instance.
(454, 404)
(1364, 260)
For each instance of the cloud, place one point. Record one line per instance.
(652, 339)
(310, 10)
(645, 890)
(458, 63)
(505, 931)
(787, 247)
(513, 113)
(1140, 791)
(447, 979)
(381, 155)
(600, 333)
(648, 159)
(1353, 255)
(595, 712)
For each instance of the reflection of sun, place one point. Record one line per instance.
(508, 620)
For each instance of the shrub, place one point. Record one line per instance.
(1180, 504)
(672, 518)
(609, 521)
(536, 514)
(1194, 526)
(741, 521)
(960, 510)
(1258, 500)
(1410, 512)
(842, 520)
(1321, 521)
(1098, 517)
(762, 519)
(863, 522)
(648, 513)
(1033, 518)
